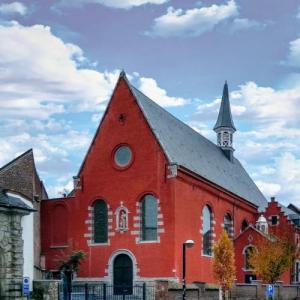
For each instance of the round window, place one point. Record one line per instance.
(123, 156)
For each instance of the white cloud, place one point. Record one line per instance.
(239, 24)
(267, 103)
(288, 172)
(151, 89)
(40, 75)
(268, 189)
(293, 58)
(262, 104)
(192, 22)
(123, 4)
(13, 8)
(60, 190)
(289, 168)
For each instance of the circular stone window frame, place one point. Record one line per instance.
(115, 164)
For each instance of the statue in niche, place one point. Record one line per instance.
(122, 218)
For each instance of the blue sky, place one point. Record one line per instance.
(59, 61)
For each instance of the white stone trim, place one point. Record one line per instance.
(91, 243)
(135, 232)
(150, 242)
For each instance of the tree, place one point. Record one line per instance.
(68, 266)
(71, 263)
(272, 257)
(224, 264)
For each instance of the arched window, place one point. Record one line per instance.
(244, 225)
(100, 221)
(149, 218)
(247, 253)
(228, 225)
(207, 230)
(59, 225)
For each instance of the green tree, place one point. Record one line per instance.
(68, 266)
(72, 263)
(224, 264)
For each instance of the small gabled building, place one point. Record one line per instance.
(276, 221)
(21, 192)
(147, 184)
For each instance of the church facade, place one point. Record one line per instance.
(147, 184)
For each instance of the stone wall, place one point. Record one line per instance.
(46, 289)
(255, 291)
(11, 254)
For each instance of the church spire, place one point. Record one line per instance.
(224, 126)
(224, 117)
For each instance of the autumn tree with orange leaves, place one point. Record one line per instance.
(272, 257)
(223, 263)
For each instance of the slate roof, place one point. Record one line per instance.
(292, 215)
(294, 208)
(225, 117)
(186, 147)
(12, 202)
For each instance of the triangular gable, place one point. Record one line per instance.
(252, 228)
(20, 175)
(124, 78)
(16, 160)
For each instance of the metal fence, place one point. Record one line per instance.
(102, 291)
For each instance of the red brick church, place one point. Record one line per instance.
(147, 184)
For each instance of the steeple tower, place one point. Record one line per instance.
(224, 126)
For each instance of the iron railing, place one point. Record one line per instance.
(103, 291)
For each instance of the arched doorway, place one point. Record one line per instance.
(122, 275)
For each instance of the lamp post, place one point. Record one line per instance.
(189, 244)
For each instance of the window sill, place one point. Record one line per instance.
(207, 255)
(148, 242)
(99, 244)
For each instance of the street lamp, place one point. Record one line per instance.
(189, 244)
